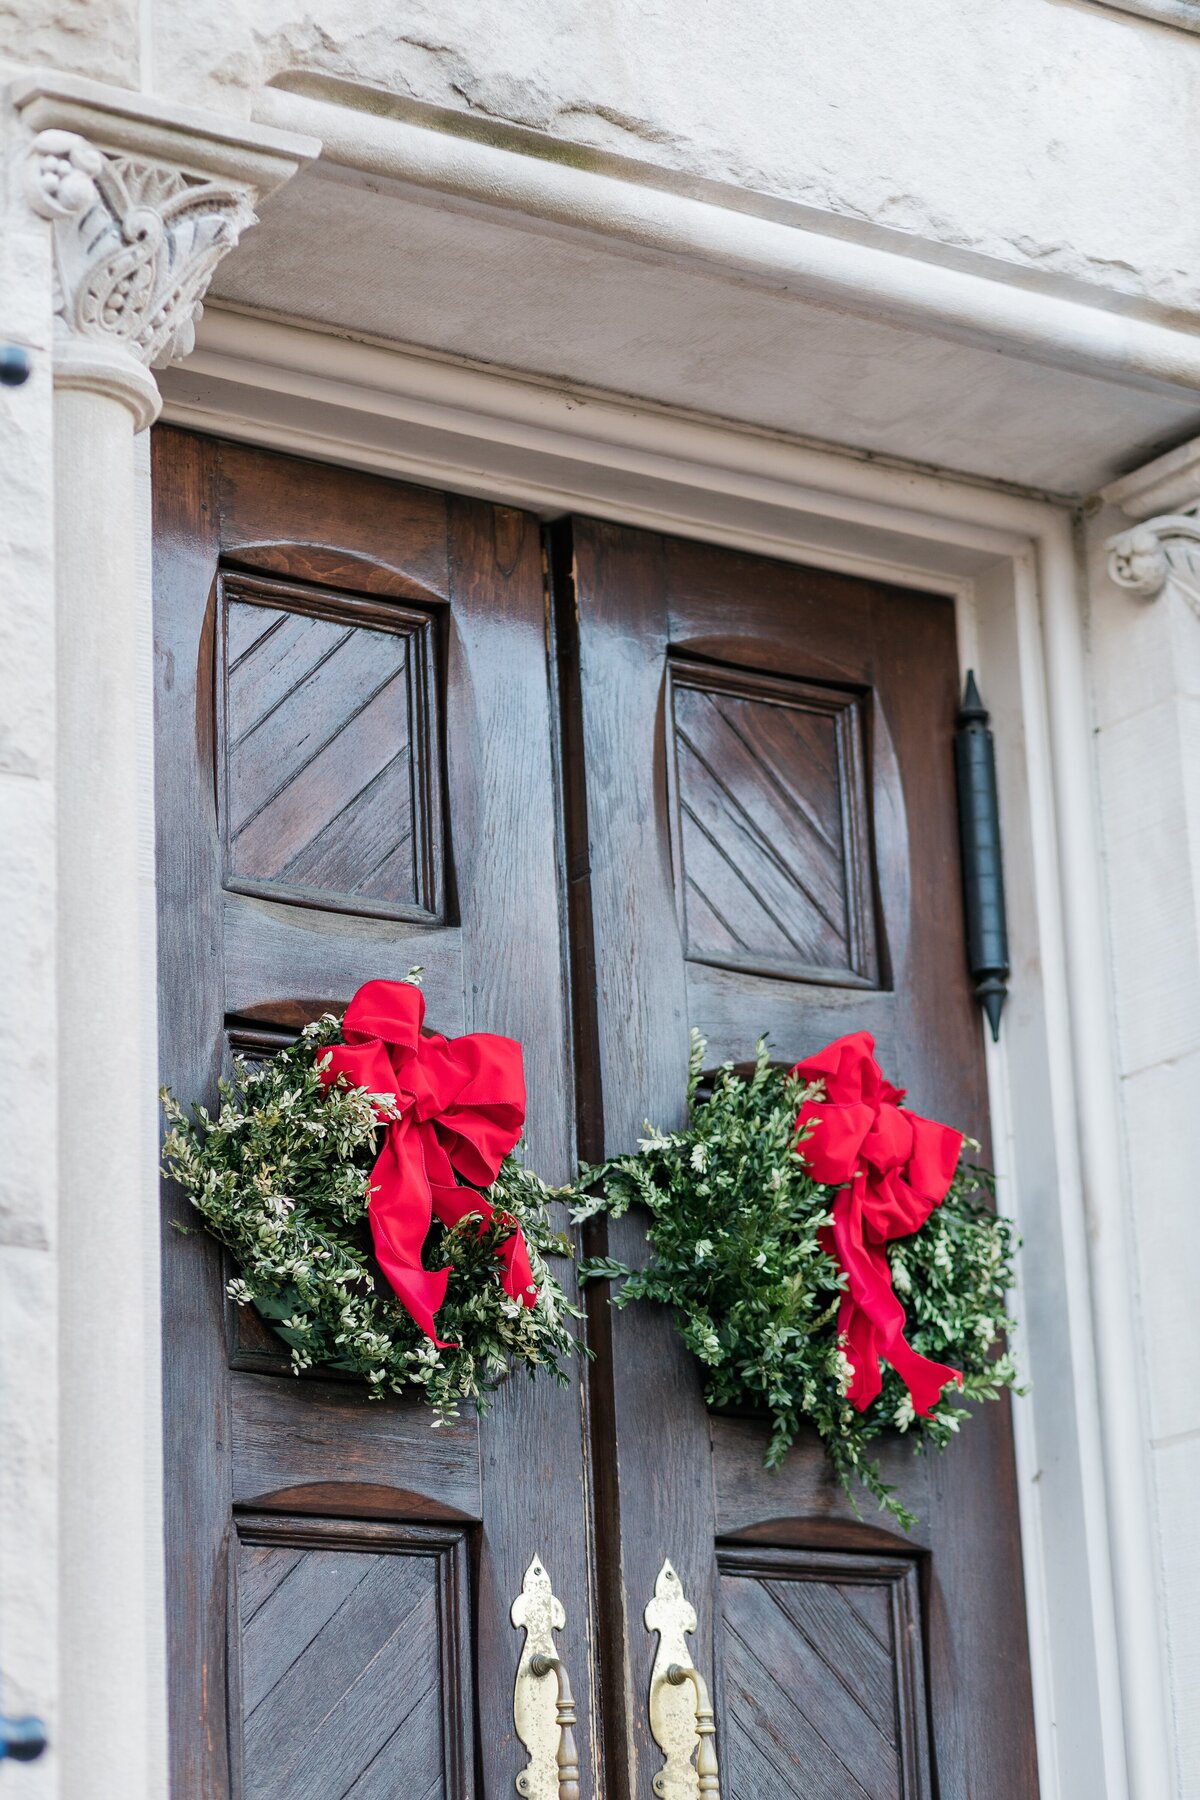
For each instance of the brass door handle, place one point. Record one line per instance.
(566, 1756)
(543, 1710)
(680, 1725)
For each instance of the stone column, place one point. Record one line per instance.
(1145, 618)
(135, 238)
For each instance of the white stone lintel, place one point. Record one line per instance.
(211, 145)
(1169, 484)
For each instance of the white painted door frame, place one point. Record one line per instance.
(1011, 565)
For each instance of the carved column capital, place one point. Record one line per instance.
(143, 200)
(1166, 549)
(135, 247)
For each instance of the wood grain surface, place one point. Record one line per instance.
(770, 825)
(680, 1485)
(668, 786)
(356, 773)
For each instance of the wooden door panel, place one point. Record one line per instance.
(330, 749)
(823, 1685)
(803, 1502)
(351, 1661)
(284, 965)
(770, 825)
(713, 805)
(314, 522)
(319, 1446)
(732, 1010)
(355, 774)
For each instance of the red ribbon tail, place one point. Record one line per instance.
(518, 1276)
(420, 1292)
(454, 1203)
(924, 1379)
(859, 1336)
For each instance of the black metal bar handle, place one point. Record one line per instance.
(983, 871)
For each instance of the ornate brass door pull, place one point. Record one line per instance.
(543, 1710)
(681, 1726)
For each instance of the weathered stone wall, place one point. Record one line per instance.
(28, 1097)
(100, 38)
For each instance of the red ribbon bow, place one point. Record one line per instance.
(462, 1107)
(891, 1168)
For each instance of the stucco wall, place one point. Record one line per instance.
(100, 38)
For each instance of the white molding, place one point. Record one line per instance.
(135, 124)
(642, 217)
(1010, 563)
(553, 448)
(1183, 13)
(1169, 484)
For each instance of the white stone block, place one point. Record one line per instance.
(1155, 932)
(1177, 1476)
(1159, 1108)
(28, 1515)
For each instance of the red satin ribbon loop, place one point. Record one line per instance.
(891, 1168)
(461, 1108)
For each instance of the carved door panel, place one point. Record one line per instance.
(355, 774)
(763, 838)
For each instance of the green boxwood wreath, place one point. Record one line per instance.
(734, 1217)
(281, 1176)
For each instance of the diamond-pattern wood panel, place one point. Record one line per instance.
(771, 830)
(329, 750)
(822, 1687)
(343, 1673)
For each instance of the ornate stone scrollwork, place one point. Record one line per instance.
(135, 244)
(1149, 555)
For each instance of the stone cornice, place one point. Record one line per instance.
(1183, 13)
(143, 203)
(204, 143)
(1163, 545)
(1169, 484)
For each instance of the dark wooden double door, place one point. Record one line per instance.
(603, 786)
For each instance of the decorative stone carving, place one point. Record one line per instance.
(135, 244)
(1149, 555)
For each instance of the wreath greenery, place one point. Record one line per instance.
(734, 1218)
(281, 1175)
